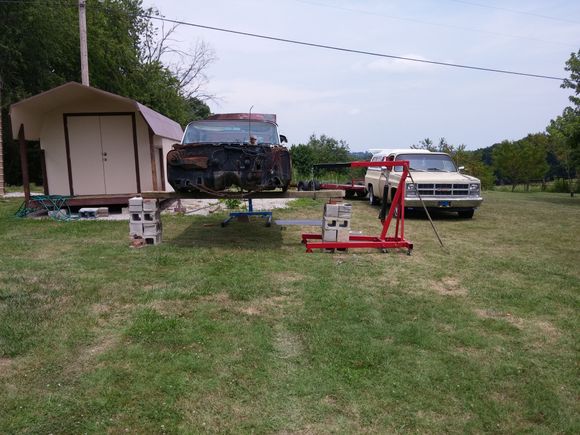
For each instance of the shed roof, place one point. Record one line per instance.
(31, 110)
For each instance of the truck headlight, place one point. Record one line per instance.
(410, 190)
(474, 189)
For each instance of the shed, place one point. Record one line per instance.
(95, 145)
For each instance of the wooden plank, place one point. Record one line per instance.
(24, 163)
(317, 194)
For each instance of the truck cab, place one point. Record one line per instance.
(437, 181)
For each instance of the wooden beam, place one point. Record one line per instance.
(24, 163)
(68, 160)
(136, 151)
(271, 194)
(162, 166)
(44, 174)
(153, 160)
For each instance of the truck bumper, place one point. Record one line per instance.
(444, 202)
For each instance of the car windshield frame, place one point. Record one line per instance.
(230, 131)
(427, 162)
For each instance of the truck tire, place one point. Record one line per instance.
(466, 214)
(373, 200)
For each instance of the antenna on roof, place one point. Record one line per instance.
(250, 123)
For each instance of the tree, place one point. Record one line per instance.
(522, 161)
(39, 42)
(318, 150)
(565, 129)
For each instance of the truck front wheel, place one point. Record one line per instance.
(373, 200)
(466, 214)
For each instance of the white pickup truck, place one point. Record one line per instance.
(438, 182)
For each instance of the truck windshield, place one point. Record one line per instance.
(226, 131)
(427, 162)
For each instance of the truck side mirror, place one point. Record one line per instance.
(283, 139)
(461, 169)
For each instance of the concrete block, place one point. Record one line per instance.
(151, 228)
(153, 240)
(135, 216)
(103, 212)
(154, 216)
(150, 205)
(329, 223)
(343, 223)
(331, 210)
(329, 236)
(135, 229)
(343, 235)
(88, 213)
(135, 209)
(136, 201)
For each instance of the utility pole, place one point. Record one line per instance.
(83, 39)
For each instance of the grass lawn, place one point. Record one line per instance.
(237, 329)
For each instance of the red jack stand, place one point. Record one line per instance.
(382, 241)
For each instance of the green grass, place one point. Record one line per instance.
(237, 329)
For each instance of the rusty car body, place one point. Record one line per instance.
(229, 150)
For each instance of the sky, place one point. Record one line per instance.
(374, 102)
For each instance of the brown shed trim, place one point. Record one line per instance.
(162, 166)
(24, 163)
(136, 149)
(153, 162)
(44, 174)
(68, 161)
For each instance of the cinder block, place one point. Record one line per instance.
(331, 210)
(102, 212)
(88, 213)
(329, 236)
(136, 201)
(151, 229)
(153, 240)
(135, 229)
(151, 216)
(135, 209)
(329, 223)
(343, 235)
(343, 223)
(150, 205)
(136, 217)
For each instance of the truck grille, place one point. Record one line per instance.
(443, 189)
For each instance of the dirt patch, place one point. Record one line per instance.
(449, 287)
(541, 330)
(284, 281)
(287, 345)
(6, 367)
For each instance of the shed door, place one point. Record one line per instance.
(102, 154)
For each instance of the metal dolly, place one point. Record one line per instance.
(244, 216)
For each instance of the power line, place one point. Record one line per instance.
(514, 11)
(349, 50)
(430, 23)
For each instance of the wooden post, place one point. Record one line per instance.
(24, 163)
(2, 191)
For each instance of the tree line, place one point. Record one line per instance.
(39, 46)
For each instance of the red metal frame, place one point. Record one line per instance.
(379, 242)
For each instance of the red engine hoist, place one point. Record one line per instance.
(382, 241)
